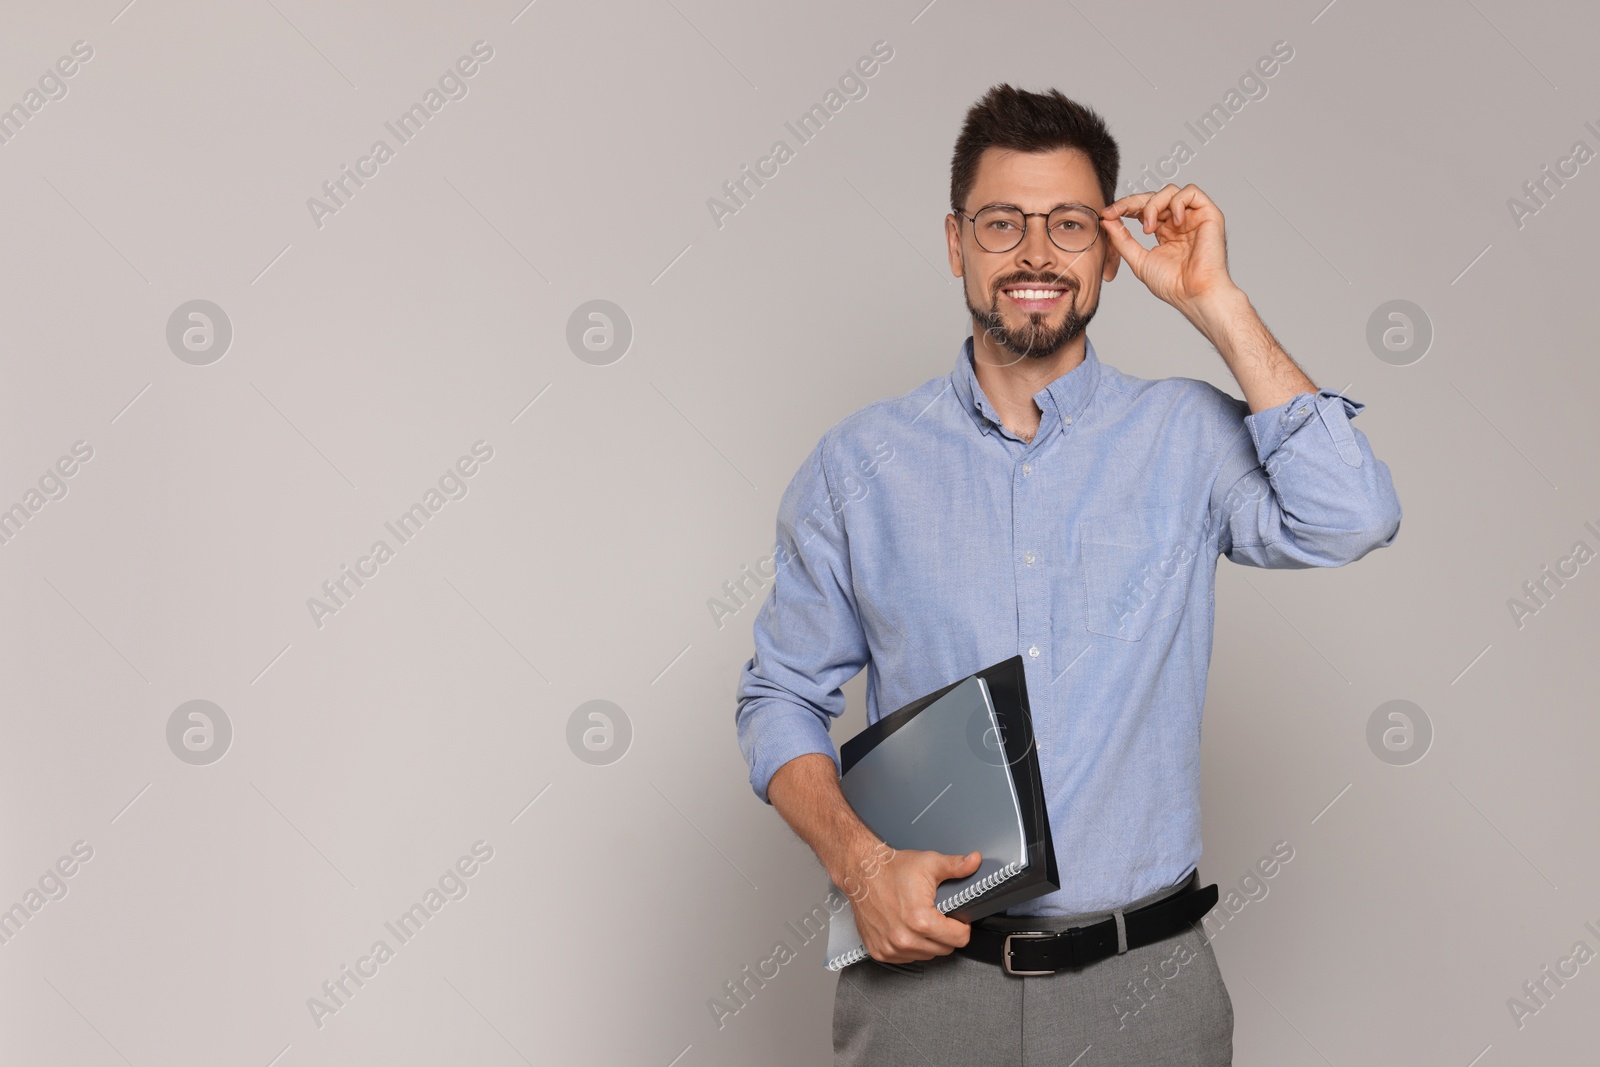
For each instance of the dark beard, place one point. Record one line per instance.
(1036, 340)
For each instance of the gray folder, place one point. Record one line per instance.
(939, 782)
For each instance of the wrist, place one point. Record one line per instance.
(857, 860)
(1220, 312)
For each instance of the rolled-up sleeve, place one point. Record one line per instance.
(1298, 486)
(808, 635)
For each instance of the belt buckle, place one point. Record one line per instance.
(1005, 953)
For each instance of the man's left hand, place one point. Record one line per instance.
(1188, 267)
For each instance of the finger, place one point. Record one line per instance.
(1137, 206)
(954, 863)
(911, 947)
(1156, 205)
(1128, 205)
(1180, 203)
(929, 921)
(950, 933)
(1194, 196)
(1191, 199)
(1124, 244)
(921, 948)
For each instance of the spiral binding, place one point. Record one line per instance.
(978, 888)
(967, 895)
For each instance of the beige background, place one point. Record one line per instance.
(431, 311)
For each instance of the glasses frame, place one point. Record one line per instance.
(1022, 234)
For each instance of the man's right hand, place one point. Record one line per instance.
(892, 898)
(894, 910)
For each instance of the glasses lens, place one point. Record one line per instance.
(998, 229)
(1074, 229)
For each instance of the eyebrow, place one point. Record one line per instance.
(1065, 203)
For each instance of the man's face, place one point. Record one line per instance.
(1032, 181)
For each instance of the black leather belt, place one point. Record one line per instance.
(1033, 952)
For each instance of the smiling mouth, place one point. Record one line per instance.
(1037, 298)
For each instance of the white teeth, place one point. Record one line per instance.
(1033, 294)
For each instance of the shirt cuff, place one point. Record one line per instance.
(1270, 428)
(785, 733)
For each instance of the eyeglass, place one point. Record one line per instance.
(1000, 229)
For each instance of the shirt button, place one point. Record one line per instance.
(1067, 419)
(1027, 468)
(1028, 559)
(1034, 651)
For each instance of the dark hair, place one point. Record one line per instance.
(1031, 122)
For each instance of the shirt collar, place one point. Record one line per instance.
(1068, 395)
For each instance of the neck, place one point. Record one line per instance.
(1009, 380)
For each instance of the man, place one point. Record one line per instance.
(1038, 501)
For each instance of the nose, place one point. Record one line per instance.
(1036, 251)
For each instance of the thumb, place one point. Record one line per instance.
(963, 864)
(1129, 249)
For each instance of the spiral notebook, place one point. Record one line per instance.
(954, 772)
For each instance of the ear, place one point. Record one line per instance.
(1113, 260)
(952, 238)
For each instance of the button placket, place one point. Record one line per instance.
(1033, 592)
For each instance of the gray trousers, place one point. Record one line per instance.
(1160, 1003)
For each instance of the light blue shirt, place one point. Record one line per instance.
(924, 541)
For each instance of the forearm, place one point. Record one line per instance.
(806, 793)
(1265, 372)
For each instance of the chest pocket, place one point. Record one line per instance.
(1136, 566)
